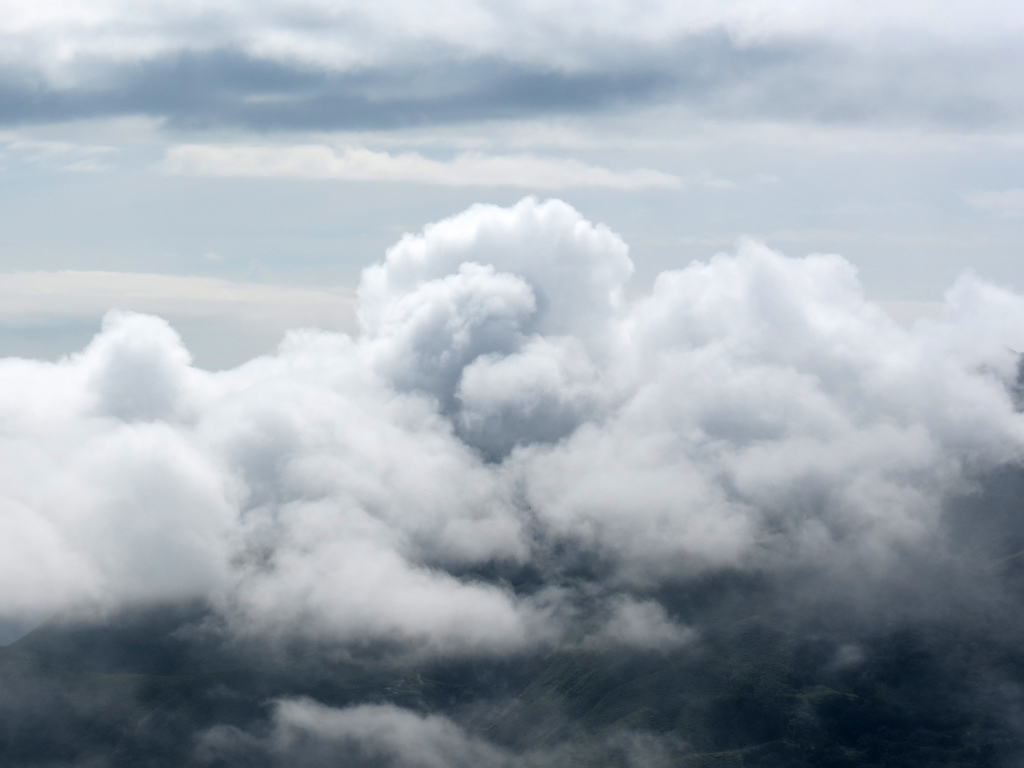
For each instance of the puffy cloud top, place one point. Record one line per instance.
(483, 289)
(504, 411)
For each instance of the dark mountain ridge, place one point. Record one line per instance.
(144, 687)
(922, 667)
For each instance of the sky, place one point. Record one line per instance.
(233, 167)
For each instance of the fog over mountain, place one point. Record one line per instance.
(510, 465)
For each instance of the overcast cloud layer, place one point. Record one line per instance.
(501, 410)
(308, 64)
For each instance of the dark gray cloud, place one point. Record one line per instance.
(710, 74)
(199, 90)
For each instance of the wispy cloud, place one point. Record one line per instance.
(56, 154)
(470, 169)
(27, 297)
(1005, 203)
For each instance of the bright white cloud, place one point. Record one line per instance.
(471, 169)
(752, 412)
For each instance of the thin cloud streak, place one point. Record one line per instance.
(1005, 203)
(30, 297)
(470, 169)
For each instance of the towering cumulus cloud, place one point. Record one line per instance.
(509, 456)
(494, 520)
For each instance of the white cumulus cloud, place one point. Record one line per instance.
(501, 404)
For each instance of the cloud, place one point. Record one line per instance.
(472, 169)
(293, 64)
(908, 312)
(507, 456)
(642, 625)
(1006, 203)
(224, 322)
(306, 733)
(350, 35)
(29, 297)
(58, 154)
